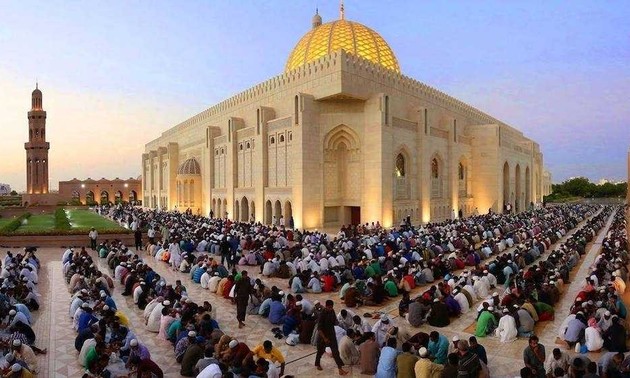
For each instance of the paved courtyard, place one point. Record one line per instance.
(53, 325)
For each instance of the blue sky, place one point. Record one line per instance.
(115, 74)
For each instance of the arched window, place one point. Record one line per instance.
(281, 138)
(461, 172)
(272, 140)
(400, 165)
(435, 169)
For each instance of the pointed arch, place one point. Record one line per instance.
(342, 134)
(506, 184)
(342, 165)
(518, 193)
(437, 175)
(528, 187)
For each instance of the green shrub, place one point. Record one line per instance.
(14, 224)
(61, 220)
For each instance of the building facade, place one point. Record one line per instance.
(342, 137)
(103, 191)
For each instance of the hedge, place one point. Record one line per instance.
(14, 224)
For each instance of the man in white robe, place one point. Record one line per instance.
(506, 330)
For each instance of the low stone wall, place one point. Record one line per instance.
(50, 241)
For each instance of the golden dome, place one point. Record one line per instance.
(352, 37)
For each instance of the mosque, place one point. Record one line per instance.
(342, 137)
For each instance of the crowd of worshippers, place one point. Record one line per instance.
(368, 264)
(530, 297)
(107, 345)
(598, 315)
(18, 298)
(596, 322)
(199, 345)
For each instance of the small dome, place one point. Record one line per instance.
(189, 167)
(352, 37)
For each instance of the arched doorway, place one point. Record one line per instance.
(517, 189)
(89, 198)
(118, 197)
(225, 210)
(76, 197)
(268, 212)
(343, 172)
(133, 196)
(277, 210)
(436, 177)
(104, 197)
(237, 211)
(244, 210)
(288, 212)
(506, 185)
(528, 189)
(252, 212)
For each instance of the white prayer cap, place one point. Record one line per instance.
(423, 352)
(455, 338)
(12, 312)
(192, 334)
(105, 308)
(17, 343)
(491, 308)
(16, 367)
(233, 344)
(495, 294)
(166, 303)
(133, 343)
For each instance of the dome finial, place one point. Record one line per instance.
(342, 15)
(317, 19)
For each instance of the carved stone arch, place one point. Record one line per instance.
(528, 186)
(518, 189)
(437, 175)
(463, 175)
(506, 184)
(402, 169)
(342, 165)
(342, 134)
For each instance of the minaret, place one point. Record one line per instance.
(36, 147)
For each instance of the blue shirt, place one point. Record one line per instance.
(439, 349)
(110, 302)
(85, 320)
(276, 312)
(24, 310)
(197, 276)
(387, 363)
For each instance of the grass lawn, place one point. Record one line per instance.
(85, 219)
(4, 221)
(37, 223)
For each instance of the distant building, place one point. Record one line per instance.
(103, 191)
(5, 189)
(75, 191)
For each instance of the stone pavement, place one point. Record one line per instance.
(54, 330)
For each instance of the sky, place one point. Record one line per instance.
(116, 74)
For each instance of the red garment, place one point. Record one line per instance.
(329, 283)
(410, 281)
(227, 288)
